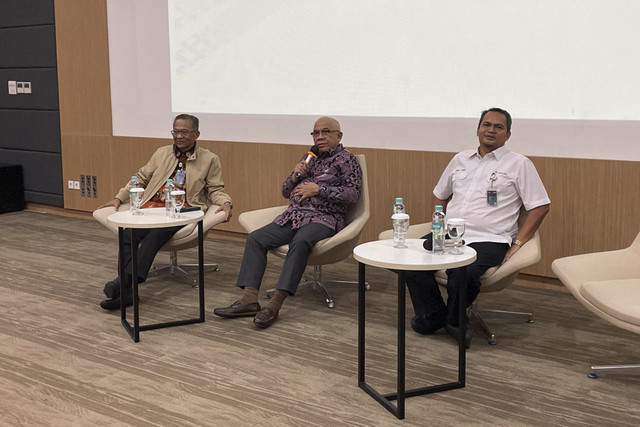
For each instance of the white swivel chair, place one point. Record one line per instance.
(494, 279)
(185, 238)
(608, 284)
(327, 251)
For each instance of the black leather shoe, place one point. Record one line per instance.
(454, 331)
(265, 317)
(112, 288)
(238, 310)
(114, 303)
(429, 324)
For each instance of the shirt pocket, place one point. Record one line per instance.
(458, 180)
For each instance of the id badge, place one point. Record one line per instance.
(492, 198)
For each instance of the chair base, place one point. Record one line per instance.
(603, 370)
(176, 269)
(475, 312)
(319, 285)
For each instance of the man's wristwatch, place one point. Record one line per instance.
(518, 242)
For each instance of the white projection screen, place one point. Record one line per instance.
(403, 74)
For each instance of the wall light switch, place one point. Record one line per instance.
(13, 87)
(70, 185)
(76, 185)
(27, 87)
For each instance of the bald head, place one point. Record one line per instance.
(327, 121)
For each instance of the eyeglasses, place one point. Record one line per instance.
(183, 132)
(322, 132)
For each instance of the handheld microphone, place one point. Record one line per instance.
(311, 154)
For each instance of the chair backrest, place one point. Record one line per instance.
(361, 209)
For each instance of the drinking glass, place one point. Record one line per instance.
(136, 195)
(177, 197)
(400, 227)
(455, 229)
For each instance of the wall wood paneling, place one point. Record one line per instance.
(595, 203)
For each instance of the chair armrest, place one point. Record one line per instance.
(415, 232)
(101, 216)
(210, 220)
(253, 220)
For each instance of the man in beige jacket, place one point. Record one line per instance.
(192, 168)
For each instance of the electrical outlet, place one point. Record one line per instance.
(27, 87)
(76, 185)
(94, 186)
(82, 185)
(20, 87)
(70, 185)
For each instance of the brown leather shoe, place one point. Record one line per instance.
(238, 310)
(265, 317)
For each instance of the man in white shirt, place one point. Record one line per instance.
(487, 187)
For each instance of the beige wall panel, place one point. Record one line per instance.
(82, 155)
(83, 67)
(595, 206)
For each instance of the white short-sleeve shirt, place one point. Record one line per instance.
(468, 177)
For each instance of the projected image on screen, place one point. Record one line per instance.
(545, 59)
(398, 74)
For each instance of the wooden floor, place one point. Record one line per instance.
(65, 362)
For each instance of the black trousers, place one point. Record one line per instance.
(150, 240)
(301, 242)
(425, 293)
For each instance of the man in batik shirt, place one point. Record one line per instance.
(318, 193)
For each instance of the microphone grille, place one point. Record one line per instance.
(315, 150)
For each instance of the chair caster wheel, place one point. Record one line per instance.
(592, 376)
(330, 304)
(493, 342)
(367, 287)
(531, 321)
(267, 296)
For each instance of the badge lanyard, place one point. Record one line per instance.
(492, 195)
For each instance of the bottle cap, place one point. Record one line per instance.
(134, 177)
(169, 181)
(438, 208)
(398, 200)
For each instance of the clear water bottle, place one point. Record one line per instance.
(400, 222)
(399, 206)
(437, 231)
(400, 228)
(136, 194)
(168, 201)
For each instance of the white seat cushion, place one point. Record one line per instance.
(617, 298)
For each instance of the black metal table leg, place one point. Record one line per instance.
(134, 331)
(401, 393)
(201, 269)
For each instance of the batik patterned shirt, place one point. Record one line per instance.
(339, 177)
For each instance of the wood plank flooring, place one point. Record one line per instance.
(66, 362)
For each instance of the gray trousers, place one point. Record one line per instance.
(271, 236)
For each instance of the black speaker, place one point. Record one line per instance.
(11, 188)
